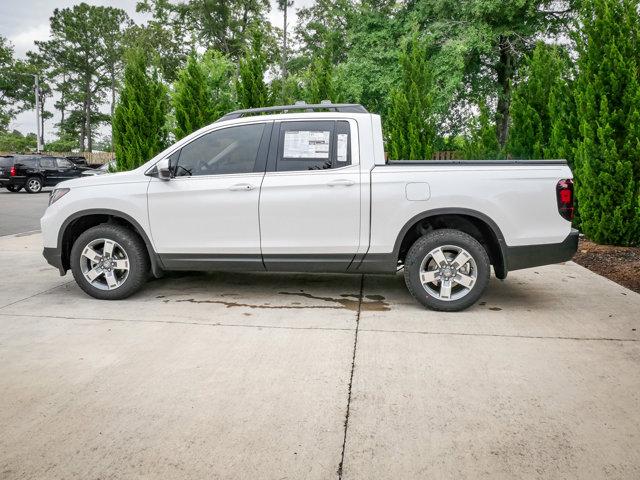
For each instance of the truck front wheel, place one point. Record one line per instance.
(447, 270)
(109, 262)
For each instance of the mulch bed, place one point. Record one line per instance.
(620, 264)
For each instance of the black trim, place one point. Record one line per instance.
(528, 256)
(325, 263)
(53, 256)
(375, 263)
(475, 163)
(331, 263)
(156, 262)
(213, 262)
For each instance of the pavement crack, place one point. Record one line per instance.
(504, 335)
(353, 366)
(35, 294)
(174, 322)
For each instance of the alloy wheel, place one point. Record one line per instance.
(448, 273)
(105, 264)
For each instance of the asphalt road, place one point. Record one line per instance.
(272, 376)
(20, 212)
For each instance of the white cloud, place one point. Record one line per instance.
(24, 41)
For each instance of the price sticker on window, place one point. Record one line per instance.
(343, 143)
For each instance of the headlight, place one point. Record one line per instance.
(57, 194)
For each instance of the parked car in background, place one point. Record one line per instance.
(108, 167)
(34, 172)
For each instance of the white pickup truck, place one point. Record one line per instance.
(310, 192)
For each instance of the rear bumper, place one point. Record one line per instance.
(13, 181)
(528, 256)
(54, 258)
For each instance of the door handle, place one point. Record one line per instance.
(341, 183)
(241, 187)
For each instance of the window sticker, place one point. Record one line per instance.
(343, 142)
(306, 144)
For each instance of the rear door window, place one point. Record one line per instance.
(313, 145)
(47, 163)
(64, 163)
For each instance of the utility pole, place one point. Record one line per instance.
(37, 89)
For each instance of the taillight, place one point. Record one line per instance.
(564, 194)
(12, 172)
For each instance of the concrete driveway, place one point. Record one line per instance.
(263, 376)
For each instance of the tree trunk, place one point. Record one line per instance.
(113, 100)
(88, 116)
(284, 48)
(504, 70)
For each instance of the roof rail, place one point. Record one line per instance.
(324, 105)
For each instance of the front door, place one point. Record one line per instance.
(208, 212)
(310, 198)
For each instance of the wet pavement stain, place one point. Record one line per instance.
(495, 309)
(346, 301)
(350, 301)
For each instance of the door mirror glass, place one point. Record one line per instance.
(164, 170)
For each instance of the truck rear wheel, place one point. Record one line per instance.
(109, 262)
(447, 270)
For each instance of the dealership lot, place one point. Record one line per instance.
(256, 375)
(21, 212)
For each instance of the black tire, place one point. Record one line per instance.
(421, 251)
(129, 243)
(13, 188)
(33, 185)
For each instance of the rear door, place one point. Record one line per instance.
(310, 197)
(66, 170)
(49, 169)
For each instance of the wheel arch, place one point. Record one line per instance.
(81, 221)
(472, 222)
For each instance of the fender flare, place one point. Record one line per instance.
(154, 258)
(502, 244)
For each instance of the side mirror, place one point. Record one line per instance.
(164, 170)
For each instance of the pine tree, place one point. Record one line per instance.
(542, 73)
(251, 88)
(608, 101)
(139, 130)
(192, 99)
(410, 125)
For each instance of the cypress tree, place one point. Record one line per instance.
(251, 88)
(482, 143)
(321, 79)
(192, 99)
(531, 126)
(219, 72)
(608, 102)
(411, 125)
(139, 123)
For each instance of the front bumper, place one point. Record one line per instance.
(54, 258)
(528, 256)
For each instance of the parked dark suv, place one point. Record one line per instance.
(33, 172)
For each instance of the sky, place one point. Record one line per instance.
(24, 21)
